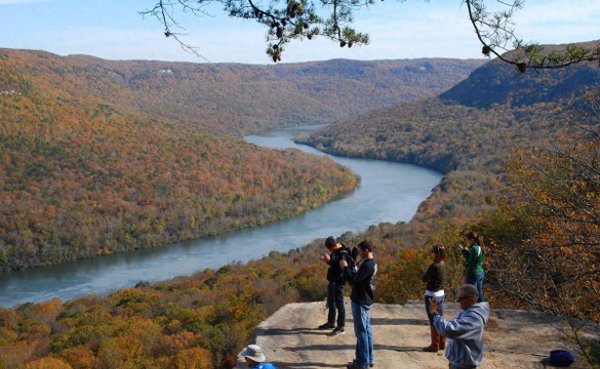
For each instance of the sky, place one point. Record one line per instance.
(114, 29)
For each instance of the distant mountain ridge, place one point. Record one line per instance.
(499, 83)
(239, 98)
(467, 132)
(419, 132)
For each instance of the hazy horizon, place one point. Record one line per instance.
(256, 64)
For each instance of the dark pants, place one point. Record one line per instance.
(335, 301)
(460, 367)
(477, 281)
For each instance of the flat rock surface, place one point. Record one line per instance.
(513, 339)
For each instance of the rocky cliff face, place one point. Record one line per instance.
(513, 339)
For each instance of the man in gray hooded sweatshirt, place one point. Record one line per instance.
(465, 333)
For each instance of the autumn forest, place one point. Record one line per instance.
(99, 157)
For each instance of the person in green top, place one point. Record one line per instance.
(474, 262)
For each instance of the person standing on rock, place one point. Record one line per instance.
(362, 281)
(474, 262)
(435, 277)
(255, 358)
(465, 333)
(335, 287)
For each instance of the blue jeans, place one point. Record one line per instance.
(477, 281)
(335, 301)
(364, 334)
(440, 307)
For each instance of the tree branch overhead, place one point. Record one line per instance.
(288, 20)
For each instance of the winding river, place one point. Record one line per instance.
(389, 192)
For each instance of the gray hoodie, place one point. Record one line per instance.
(465, 333)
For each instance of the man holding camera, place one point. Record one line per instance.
(464, 349)
(335, 287)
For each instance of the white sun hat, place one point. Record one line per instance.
(254, 352)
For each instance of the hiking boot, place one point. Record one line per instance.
(433, 347)
(336, 331)
(430, 348)
(441, 342)
(327, 326)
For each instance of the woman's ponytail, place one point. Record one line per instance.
(477, 238)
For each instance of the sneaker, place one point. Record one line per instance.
(336, 331)
(326, 326)
(355, 364)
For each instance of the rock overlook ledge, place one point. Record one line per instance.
(513, 339)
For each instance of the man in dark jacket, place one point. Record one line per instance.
(362, 281)
(335, 287)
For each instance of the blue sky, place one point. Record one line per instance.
(113, 29)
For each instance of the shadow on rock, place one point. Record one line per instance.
(385, 321)
(309, 365)
(292, 331)
(399, 348)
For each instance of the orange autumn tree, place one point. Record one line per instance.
(48, 363)
(547, 249)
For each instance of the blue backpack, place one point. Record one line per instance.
(560, 358)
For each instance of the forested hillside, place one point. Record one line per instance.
(238, 98)
(538, 211)
(495, 83)
(467, 133)
(81, 177)
(194, 322)
(204, 321)
(101, 156)
(521, 169)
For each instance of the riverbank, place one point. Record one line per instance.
(206, 318)
(389, 192)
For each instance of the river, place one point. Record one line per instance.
(389, 192)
